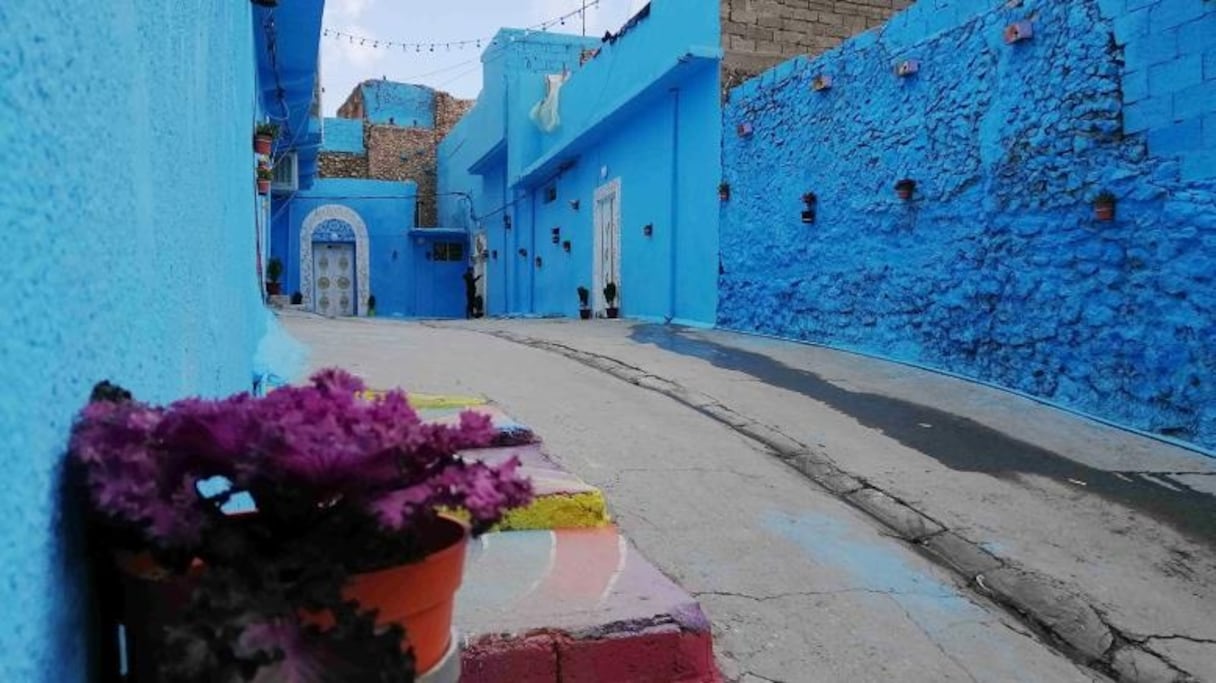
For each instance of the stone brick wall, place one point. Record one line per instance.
(341, 165)
(996, 268)
(757, 34)
(398, 152)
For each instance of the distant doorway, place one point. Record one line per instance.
(334, 279)
(607, 254)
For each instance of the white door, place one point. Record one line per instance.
(607, 254)
(333, 274)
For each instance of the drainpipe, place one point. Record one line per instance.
(675, 200)
(531, 253)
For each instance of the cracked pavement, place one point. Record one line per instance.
(801, 581)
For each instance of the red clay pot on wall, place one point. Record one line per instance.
(262, 143)
(1104, 211)
(274, 288)
(263, 187)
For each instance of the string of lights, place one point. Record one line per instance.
(449, 45)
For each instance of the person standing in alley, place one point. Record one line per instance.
(470, 293)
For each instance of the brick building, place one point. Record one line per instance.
(757, 34)
(401, 126)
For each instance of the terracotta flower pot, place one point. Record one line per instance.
(274, 288)
(419, 596)
(1104, 211)
(262, 143)
(263, 187)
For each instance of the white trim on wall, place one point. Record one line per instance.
(362, 257)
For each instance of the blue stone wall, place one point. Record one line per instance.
(404, 104)
(343, 135)
(996, 269)
(128, 214)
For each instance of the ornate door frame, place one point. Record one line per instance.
(316, 221)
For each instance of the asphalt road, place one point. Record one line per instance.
(800, 586)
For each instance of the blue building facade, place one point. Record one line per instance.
(132, 231)
(584, 174)
(996, 268)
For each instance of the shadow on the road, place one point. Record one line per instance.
(957, 442)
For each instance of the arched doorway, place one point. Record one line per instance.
(334, 261)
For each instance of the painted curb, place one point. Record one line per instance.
(1067, 620)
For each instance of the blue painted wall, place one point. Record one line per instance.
(996, 269)
(401, 273)
(640, 112)
(404, 103)
(113, 274)
(344, 135)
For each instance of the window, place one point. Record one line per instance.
(448, 251)
(551, 194)
(285, 178)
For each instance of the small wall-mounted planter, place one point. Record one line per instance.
(566, 246)
(821, 82)
(810, 203)
(539, 262)
(494, 254)
(557, 235)
(574, 204)
(724, 192)
(262, 144)
(908, 67)
(648, 230)
(1019, 31)
(523, 253)
(265, 175)
(1104, 207)
(905, 188)
(506, 221)
(745, 129)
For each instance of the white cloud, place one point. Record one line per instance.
(348, 9)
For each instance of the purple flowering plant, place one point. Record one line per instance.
(341, 484)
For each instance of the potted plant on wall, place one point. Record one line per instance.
(371, 306)
(265, 175)
(337, 565)
(263, 137)
(724, 191)
(610, 294)
(1104, 206)
(584, 303)
(274, 273)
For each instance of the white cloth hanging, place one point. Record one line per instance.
(545, 113)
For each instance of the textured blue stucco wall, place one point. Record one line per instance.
(128, 208)
(403, 104)
(640, 113)
(996, 269)
(343, 135)
(404, 281)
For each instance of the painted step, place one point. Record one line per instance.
(576, 605)
(563, 500)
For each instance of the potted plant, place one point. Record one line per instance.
(1019, 31)
(274, 273)
(821, 82)
(296, 536)
(724, 191)
(263, 137)
(297, 298)
(584, 303)
(610, 294)
(905, 188)
(265, 175)
(1104, 206)
(371, 306)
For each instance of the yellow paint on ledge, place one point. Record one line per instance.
(587, 510)
(425, 401)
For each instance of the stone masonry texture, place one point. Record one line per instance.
(996, 268)
(395, 152)
(756, 34)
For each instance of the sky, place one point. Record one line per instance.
(345, 63)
